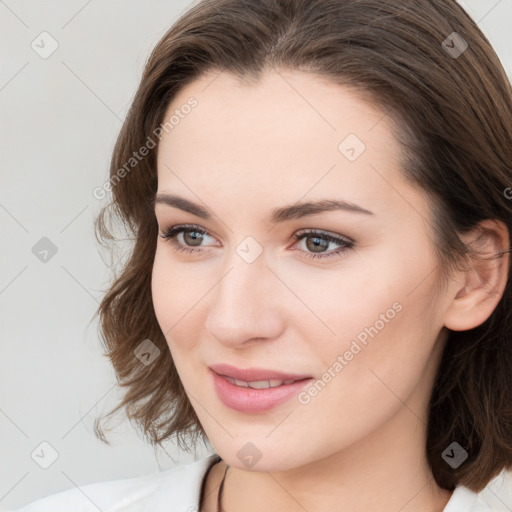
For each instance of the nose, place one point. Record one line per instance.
(246, 304)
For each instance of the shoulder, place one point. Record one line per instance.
(177, 489)
(495, 497)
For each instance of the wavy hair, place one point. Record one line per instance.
(451, 108)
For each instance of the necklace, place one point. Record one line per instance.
(221, 488)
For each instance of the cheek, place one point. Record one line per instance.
(377, 311)
(330, 308)
(384, 341)
(176, 297)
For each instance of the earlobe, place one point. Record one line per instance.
(484, 282)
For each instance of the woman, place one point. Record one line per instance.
(320, 282)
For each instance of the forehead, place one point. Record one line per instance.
(287, 107)
(289, 134)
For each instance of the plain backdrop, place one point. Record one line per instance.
(60, 115)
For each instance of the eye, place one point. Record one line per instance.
(186, 238)
(318, 241)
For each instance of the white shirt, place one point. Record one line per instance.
(178, 490)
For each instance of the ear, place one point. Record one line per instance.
(479, 289)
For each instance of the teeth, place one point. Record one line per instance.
(262, 384)
(259, 384)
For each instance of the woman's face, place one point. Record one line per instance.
(266, 288)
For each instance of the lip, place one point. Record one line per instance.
(253, 401)
(252, 374)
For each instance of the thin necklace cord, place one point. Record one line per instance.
(221, 488)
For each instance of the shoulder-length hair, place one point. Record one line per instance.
(428, 66)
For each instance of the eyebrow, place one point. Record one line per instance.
(278, 215)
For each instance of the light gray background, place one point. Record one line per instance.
(60, 118)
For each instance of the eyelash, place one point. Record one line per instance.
(171, 233)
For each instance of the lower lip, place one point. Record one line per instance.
(251, 400)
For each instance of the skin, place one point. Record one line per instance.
(243, 151)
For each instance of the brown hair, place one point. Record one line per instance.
(453, 118)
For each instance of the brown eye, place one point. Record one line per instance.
(317, 243)
(186, 238)
(193, 238)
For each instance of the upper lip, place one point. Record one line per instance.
(255, 374)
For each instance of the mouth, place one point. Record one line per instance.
(259, 391)
(259, 384)
(256, 374)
